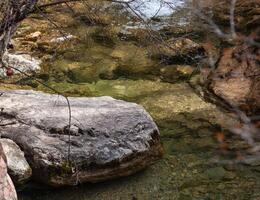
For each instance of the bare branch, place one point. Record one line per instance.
(232, 18)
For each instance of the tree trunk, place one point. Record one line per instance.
(12, 12)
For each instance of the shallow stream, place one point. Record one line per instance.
(119, 67)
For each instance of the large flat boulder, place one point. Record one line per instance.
(108, 138)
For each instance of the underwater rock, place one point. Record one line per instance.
(18, 167)
(108, 138)
(216, 173)
(174, 73)
(7, 190)
(132, 60)
(177, 51)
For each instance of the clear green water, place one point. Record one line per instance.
(92, 66)
(183, 173)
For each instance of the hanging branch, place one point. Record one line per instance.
(232, 18)
(58, 93)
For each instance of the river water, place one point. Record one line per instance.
(151, 8)
(187, 123)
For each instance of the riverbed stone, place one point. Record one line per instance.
(132, 60)
(18, 167)
(174, 73)
(108, 138)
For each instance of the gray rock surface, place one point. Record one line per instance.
(18, 167)
(109, 138)
(23, 62)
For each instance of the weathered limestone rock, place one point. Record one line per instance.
(23, 62)
(237, 79)
(7, 190)
(109, 138)
(18, 167)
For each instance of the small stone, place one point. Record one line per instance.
(33, 36)
(174, 73)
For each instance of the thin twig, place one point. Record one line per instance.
(58, 93)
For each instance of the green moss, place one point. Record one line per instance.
(66, 168)
(67, 89)
(105, 36)
(57, 171)
(5, 86)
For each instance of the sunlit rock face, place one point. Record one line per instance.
(21, 63)
(18, 168)
(236, 78)
(108, 138)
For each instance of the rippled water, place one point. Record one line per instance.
(151, 8)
